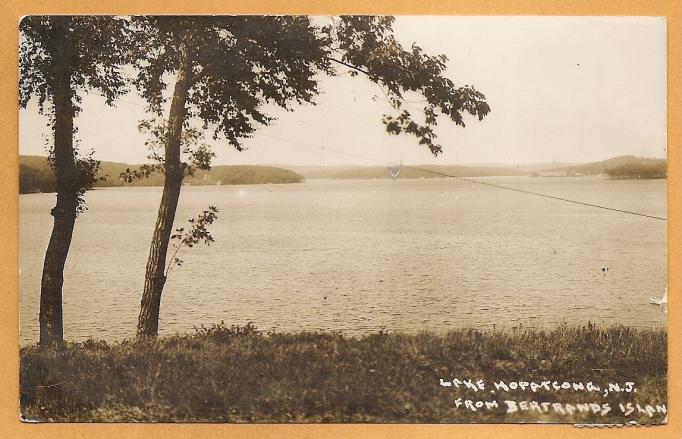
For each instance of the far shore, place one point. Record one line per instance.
(572, 177)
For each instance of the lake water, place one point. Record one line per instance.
(363, 255)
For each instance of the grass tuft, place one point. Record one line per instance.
(239, 374)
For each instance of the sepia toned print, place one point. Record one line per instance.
(343, 219)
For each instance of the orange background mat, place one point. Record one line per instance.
(12, 11)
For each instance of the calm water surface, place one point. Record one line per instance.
(363, 255)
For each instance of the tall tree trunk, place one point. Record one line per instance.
(64, 212)
(155, 277)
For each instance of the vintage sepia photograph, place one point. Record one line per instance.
(343, 219)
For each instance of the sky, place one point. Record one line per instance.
(561, 89)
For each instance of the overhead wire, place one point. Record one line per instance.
(471, 180)
(448, 175)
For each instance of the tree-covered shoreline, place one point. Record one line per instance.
(36, 176)
(625, 166)
(641, 171)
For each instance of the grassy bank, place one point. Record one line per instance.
(225, 374)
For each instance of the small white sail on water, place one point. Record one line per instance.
(662, 302)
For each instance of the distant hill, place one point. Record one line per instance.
(35, 178)
(416, 171)
(35, 175)
(626, 166)
(642, 170)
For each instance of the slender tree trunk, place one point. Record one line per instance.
(64, 212)
(155, 278)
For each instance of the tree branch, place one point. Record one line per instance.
(351, 66)
(198, 76)
(170, 262)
